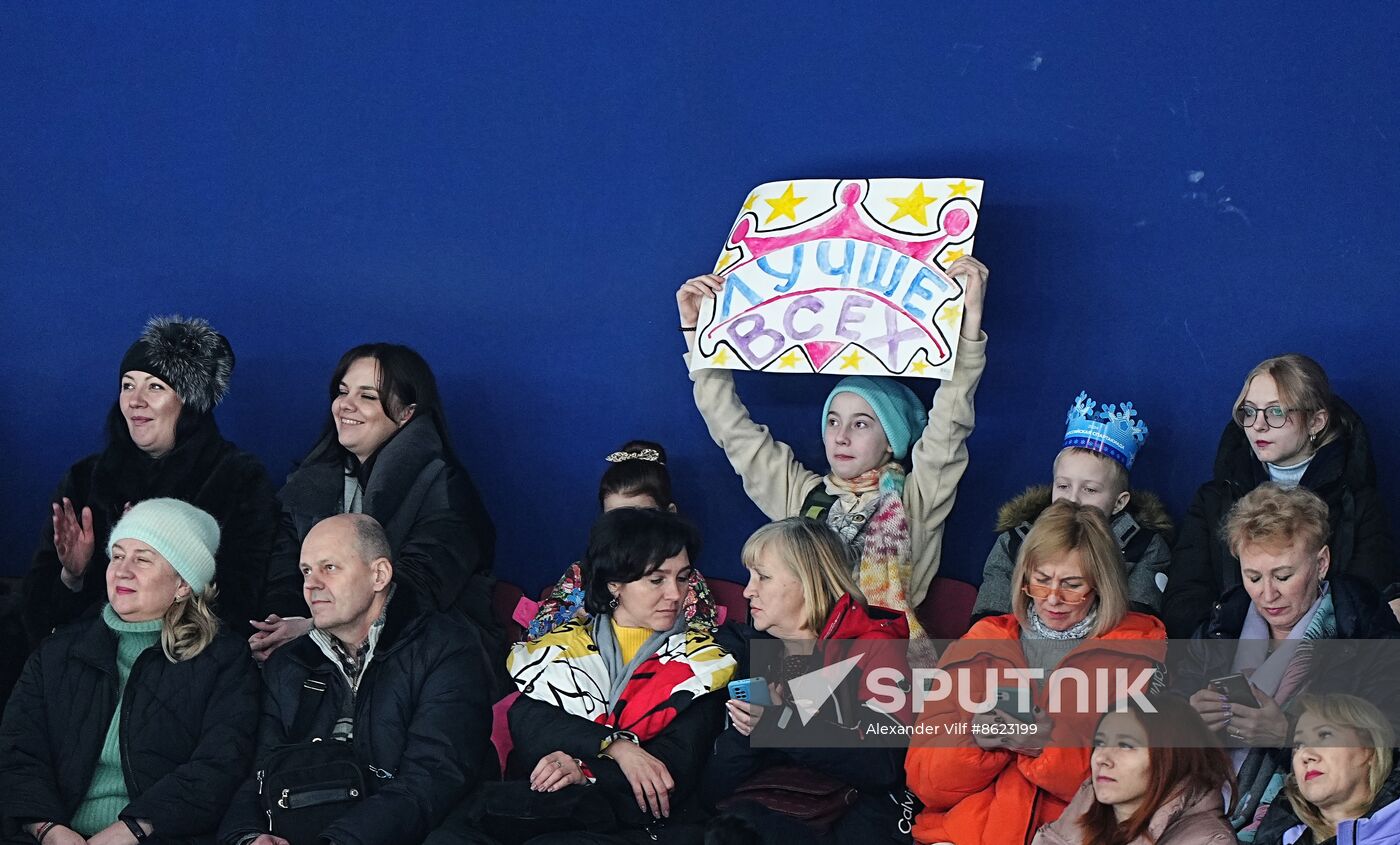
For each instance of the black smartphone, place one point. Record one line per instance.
(1008, 702)
(1236, 688)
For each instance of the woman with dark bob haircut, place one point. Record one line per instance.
(636, 477)
(621, 701)
(385, 451)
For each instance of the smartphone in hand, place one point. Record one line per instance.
(1235, 688)
(752, 690)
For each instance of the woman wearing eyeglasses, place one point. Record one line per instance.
(1291, 429)
(996, 777)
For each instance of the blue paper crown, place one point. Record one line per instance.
(1112, 431)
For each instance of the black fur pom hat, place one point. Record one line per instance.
(188, 355)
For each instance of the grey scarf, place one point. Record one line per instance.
(619, 674)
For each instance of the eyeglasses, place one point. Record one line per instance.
(1040, 592)
(1275, 415)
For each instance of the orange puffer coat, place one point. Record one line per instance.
(974, 796)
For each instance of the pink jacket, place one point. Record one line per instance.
(1197, 819)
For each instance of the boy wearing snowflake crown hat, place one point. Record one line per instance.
(1091, 469)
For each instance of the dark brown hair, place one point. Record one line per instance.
(638, 476)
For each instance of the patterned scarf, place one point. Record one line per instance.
(565, 603)
(880, 539)
(1262, 770)
(569, 668)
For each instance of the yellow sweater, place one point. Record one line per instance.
(630, 640)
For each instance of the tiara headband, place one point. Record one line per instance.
(1113, 431)
(639, 455)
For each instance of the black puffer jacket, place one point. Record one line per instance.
(442, 537)
(186, 732)
(422, 718)
(203, 469)
(1342, 472)
(1350, 665)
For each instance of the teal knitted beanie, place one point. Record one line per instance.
(182, 533)
(899, 411)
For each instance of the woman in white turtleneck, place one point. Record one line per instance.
(1288, 427)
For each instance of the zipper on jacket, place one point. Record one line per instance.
(261, 774)
(123, 740)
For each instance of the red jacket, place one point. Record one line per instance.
(974, 796)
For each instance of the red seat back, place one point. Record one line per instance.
(730, 596)
(503, 601)
(946, 613)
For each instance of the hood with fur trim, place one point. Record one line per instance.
(1144, 507)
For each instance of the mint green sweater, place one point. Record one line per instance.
(106, 795)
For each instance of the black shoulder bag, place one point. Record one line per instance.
(305, 786)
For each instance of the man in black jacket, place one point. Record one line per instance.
(406, 685)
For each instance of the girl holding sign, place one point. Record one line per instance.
(891, 517)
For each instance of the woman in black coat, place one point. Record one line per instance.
(1291, 628)
(140, 719)
(617, 714)
(1291, 429)
(385, 452)
(161, 442)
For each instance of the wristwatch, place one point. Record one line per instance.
(614, 737)
(135, 827)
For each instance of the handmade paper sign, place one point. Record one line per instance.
(842, 276)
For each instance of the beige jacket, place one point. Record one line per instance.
(779, 484)
(1184, 820)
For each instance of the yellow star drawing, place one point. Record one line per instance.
(953, 255)
(789, 360)
(919, 367)
(950, 314)
(784, 206)
(960, 189)
(748, 204)
(724, 260)
(914, 205)
(852, 361)
(721, 357)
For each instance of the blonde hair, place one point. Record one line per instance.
(816, 556)
(1066, 527)
(189, 625)
(1345, 711)
(1302, 385)
(1274, 518)
(1117, 473)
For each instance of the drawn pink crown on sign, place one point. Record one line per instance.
(846, 220)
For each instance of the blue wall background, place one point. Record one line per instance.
(1172, 194)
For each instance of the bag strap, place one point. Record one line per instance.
(312, 692)
(817, 503)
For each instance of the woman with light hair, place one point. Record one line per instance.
(1289, 428)
(1259, 649)
(1013, 771)
(806, 613)
(1344, 782)
(137, 723)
